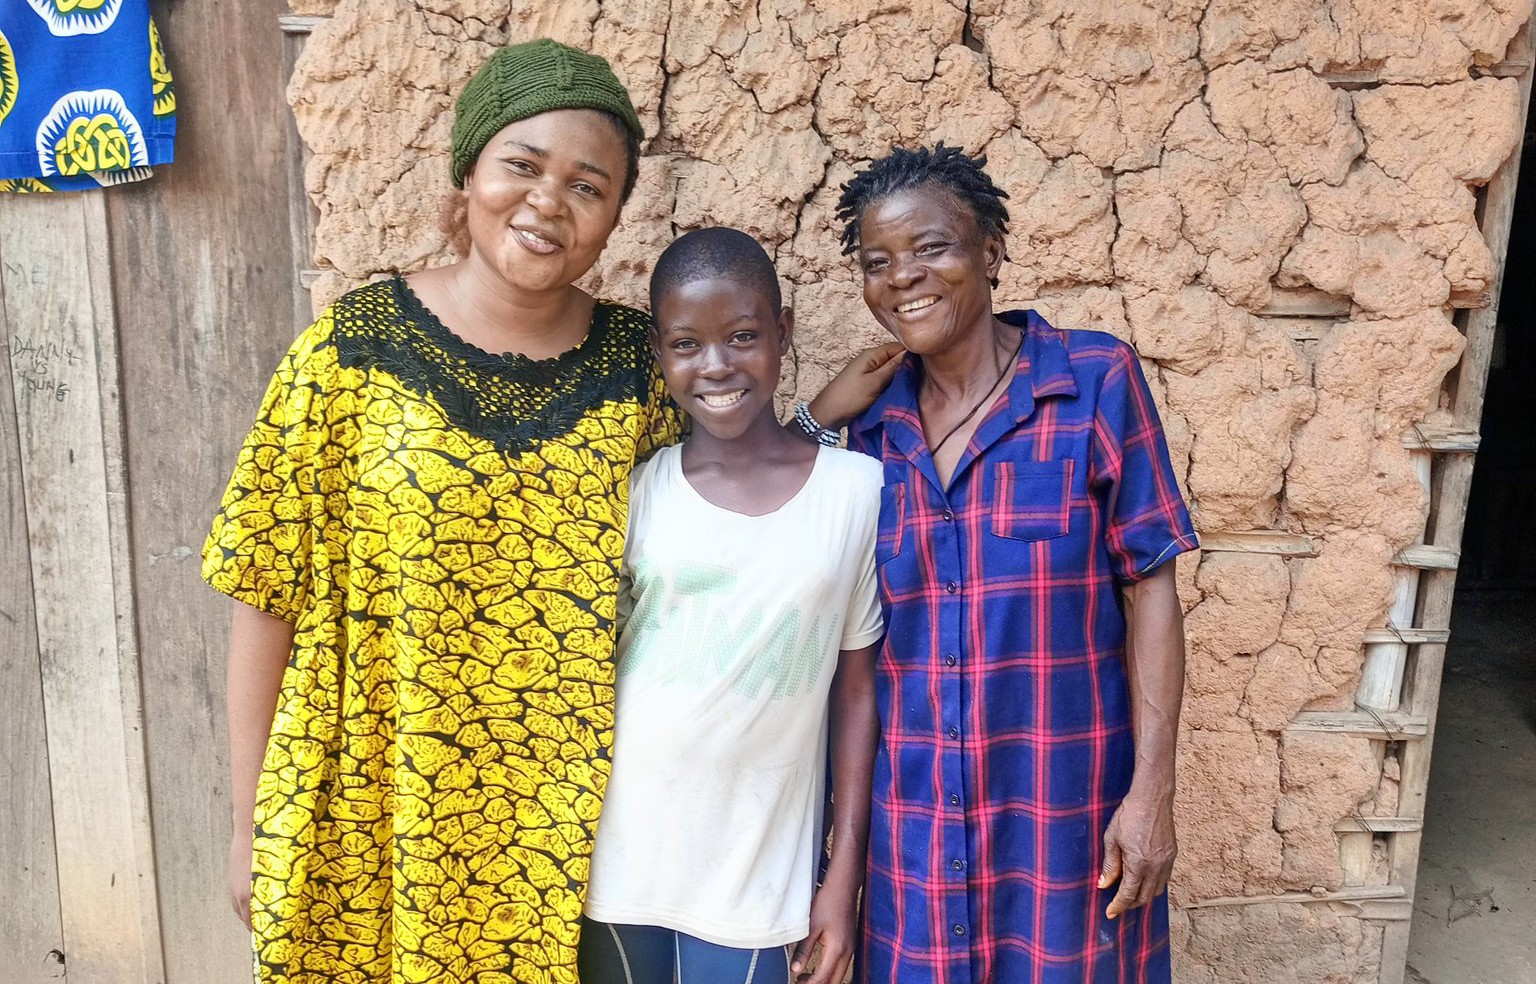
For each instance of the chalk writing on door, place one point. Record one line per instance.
(41, 366)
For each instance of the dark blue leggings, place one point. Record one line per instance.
(613, 954)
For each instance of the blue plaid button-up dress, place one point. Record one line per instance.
(1002, 690)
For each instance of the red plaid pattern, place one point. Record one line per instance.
(1003, 698)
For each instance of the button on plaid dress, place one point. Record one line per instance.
(1003, 697)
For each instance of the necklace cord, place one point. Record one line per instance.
(934, 453)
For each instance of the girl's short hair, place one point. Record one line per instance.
(713, 253)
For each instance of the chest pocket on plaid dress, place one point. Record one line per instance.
(893, 517)
(1032, 500)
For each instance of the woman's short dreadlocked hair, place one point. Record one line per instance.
(948, 167)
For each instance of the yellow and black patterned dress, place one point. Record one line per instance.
(444, 528)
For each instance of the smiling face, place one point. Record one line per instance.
(720, 347)
(927, 268)
(543, 197)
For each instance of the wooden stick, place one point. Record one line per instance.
(1448, 510)
(1408, 637)
(1378, 825)
(1304, 302)
(1443, 438)
(1355, 893)
(1389, 726)
(297, 24)
(1428, 557)
(1259, 541)
(302, 213)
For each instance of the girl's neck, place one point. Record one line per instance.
(971, 365)
(765, 441)
(754, 474)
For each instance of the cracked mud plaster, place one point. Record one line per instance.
(1316, 943)
(1172, 163)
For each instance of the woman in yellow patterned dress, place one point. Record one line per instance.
(424, 538)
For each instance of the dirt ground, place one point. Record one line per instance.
(1475, 915)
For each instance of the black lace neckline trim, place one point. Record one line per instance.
(413, 310)
(514, 401)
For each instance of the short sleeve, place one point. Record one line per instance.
(864, 623)
(1145, 519)
(864, 433)
(259, 551)
(664, 420)
(626, 599)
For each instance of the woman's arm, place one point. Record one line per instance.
(1139, 845)
(259, 646)
(854, 389)
(855, 731)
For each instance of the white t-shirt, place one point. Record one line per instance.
(711, 822)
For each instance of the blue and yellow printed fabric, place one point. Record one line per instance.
(86, 97)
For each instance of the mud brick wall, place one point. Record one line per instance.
(1188, 174)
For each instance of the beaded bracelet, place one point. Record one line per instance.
(813, 430)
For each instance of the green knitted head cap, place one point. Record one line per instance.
(527, 79)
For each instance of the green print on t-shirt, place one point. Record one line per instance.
(710, 623)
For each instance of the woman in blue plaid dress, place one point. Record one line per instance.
(1030, 681)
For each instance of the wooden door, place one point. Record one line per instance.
(139, 326)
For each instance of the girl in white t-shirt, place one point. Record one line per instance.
(749, 641)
